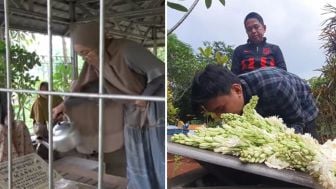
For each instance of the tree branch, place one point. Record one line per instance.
(183, 18)
(182, 94)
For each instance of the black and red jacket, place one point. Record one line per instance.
(249, 57)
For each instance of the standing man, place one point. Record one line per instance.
(256, 53)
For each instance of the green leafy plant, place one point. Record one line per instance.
(182, 66)
(62, 77)
(21, 62)
(172, 110)
(324, 87)
(177, 6)
(21, 38)
(216, 52)
(177, 163)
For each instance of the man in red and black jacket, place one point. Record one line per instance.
(256, 53)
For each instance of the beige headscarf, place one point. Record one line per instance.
(86, 34)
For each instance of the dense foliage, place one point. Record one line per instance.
(172, 111)
(182, 66)
(21, 62)
(216, 52)
(62, 75)
(324, 87)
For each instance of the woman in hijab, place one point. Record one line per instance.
(39, 112)
(22, 144)
(129, 69)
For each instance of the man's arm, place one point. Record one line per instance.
(279, 59)
(235, 67)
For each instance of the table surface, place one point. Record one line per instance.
(286, 175)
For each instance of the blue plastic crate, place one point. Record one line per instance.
(176, 131)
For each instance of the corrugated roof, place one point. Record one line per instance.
(138, 20)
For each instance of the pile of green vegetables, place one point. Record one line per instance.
(255, 139)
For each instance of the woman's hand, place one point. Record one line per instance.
(141, 104)
(57, 111)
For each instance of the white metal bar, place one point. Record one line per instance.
(74, 60)
(9, 112)
(101, 169)
(50, 86)
(87, 95)
(166, 95)
(154, 37)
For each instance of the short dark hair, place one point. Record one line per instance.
(254, 15)
(214, 80)
(44, 83)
